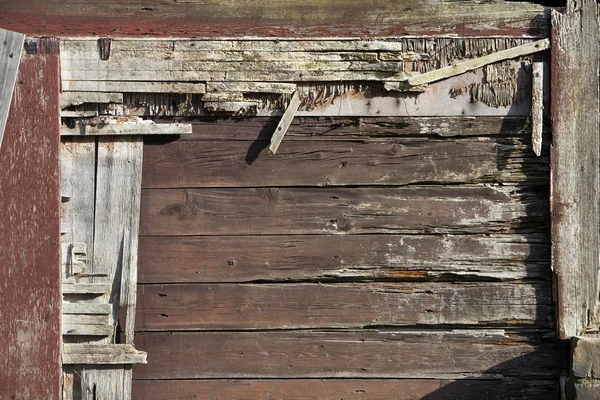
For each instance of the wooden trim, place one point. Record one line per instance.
(575, 166)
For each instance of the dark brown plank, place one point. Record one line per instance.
(330, 128)
(347, 389)
(30, 292)
(330, 257)
(332, 163)
(301, 306)
(314, 18)
(576, 166)
(476, 209)
(345, 354)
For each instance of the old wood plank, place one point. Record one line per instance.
(470, 65)
(114, 129)
(78, 185)
(332, 257)
(101, 354)
(30, 229)
(132, 86)
(537, 106)
(330, 128)
(575, 166)
(144, 76)
(284, 124)
(333, 163)
(70, 99)
(338, 19)
(250, 87)
(86, 319)
(348, 389)
(346, 354)
(274, 210)
(77, 329)
(230, 106)
(78, 114)
(300, 306)
(86, 288)
(11, 46)
(86, 308)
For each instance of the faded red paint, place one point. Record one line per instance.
(30, 292)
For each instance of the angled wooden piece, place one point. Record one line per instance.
(470, 65)
(575, 167)
(285, 123)
(11, 45)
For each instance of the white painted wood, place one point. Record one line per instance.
(537, 106)
(132, 86)
(126, 129)
(285, 123)
(78, 114)
(470, 65)
(102, 354)
(11, 46)
(69, 99)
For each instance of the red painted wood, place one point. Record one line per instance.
(30, 292)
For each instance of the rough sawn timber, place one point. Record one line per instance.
(575, 167)
(11, 46)
(30, 232)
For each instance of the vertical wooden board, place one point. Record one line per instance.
(30, 291)
(575, 166)
(78, 186)
(11, 46)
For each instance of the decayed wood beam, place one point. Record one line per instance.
(537, 106)
(68, 99)
(470, 65)
(132, 86)
(11, 45)
(78, 114)
(102, 354)
(285, 123)
(575, 166)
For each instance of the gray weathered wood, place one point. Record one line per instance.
(470, 65)
(86, 319)
(285, 123)
(537, 106)
(85, 308)
(79, 329)
(575, 166)
(132, 86)
(102, 354)
(86, 288)
(251, 87)
(70, 99)
(78, 114)
(126, 129)
(11, 46)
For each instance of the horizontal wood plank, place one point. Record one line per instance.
(75, 329)
(346, 354)
(333, 257)
(332, 163)
(91, 354)
(277, 211)
(131, 86)
(302, 306)
(86, 308)
(331, 128)
(348, 389)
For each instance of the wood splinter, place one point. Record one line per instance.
(285, 123)
(470, 65)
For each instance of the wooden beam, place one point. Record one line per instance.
(11, 45)
(575, 166)
(69, 99)
(470, 65)
(101, 354)
(537, 106)
(285, 123)
(86, 288)
(127, 129)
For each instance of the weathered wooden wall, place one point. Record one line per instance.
(30, 294)
(368, 259)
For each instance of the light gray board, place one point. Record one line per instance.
(11, 46)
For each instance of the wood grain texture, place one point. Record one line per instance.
(11, 46)
(344, 128)
(348, 389)
(345, 354)
(301, 306)
(30, 233)
(332, 257)
(259, 18)
(277, 211)
(576, 167)
(182, 164)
